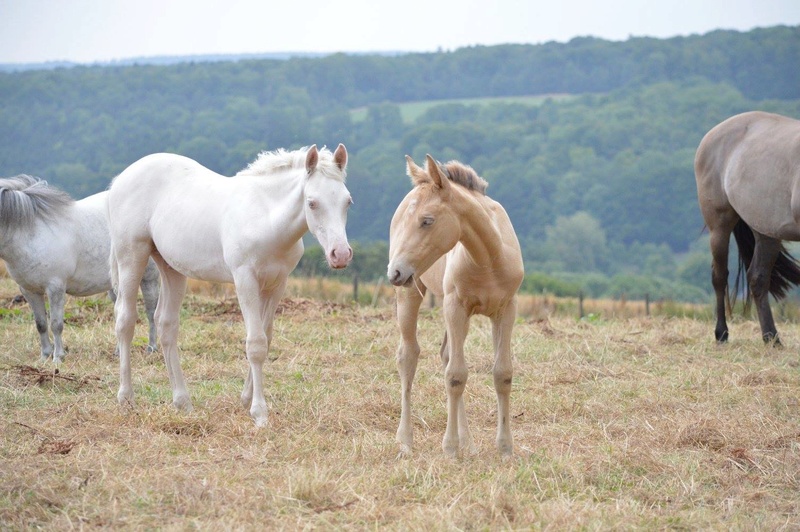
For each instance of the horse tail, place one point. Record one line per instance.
(785, 273)
(24, 199)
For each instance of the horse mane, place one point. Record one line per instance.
(465, 176)
(24, 199)
(270, 162)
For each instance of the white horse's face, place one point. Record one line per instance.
(326, 203)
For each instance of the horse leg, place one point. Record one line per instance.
(758, 277)
(167, 314)
(130, 267)
(503, 371)
(150, 289)
(57, 296)
(36, 301)
(250, 296)
(269, 304)
(720, 242)
(455, 377)
(408, 303)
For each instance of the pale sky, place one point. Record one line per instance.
(86, 31)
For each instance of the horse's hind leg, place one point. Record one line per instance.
(36, 301)
(173, 288)
(150, 291)
(720, 243)
(758, 276)
(503, 371)
(56, 295)
(408, 303)
(130, 267)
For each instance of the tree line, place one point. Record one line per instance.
(599, 186)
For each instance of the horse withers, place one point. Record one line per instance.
(447, 236)
(748, 183)
(245, 229)
(54, 245)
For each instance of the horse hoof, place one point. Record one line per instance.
(125, 399)
(405, 452)
(721, 337)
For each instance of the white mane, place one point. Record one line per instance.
(271, 162)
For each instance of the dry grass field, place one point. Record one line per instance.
(620, 422)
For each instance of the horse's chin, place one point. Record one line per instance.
(405, 284)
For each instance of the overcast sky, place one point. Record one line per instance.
(100, 30)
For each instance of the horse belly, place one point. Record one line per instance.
(194, 257)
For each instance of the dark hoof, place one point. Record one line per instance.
(772, 339)
(722, 336)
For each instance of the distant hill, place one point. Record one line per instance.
(596, 181)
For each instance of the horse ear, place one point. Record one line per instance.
(340, 157)
(437, 173)
(413, 171)
(312, 158)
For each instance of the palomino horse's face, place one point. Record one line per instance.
(424, 226)
(326, 203)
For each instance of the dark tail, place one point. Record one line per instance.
(785, 274)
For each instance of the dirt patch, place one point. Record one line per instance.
(42, 377)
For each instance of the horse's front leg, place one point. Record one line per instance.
(36, 301)
(249, 293)
(269, 304)
(502, 325)
(408, 303)
(457, 435)
(57, 296)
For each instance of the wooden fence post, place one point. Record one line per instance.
(355, 288)
(580, 304)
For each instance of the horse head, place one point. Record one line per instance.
(424, 226)
(326, 203)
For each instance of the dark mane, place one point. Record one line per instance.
(465, 176)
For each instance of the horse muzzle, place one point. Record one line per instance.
(400, 275)
(339, 257)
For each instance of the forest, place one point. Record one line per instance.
(596, 173)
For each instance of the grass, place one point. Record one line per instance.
(625, 421)
(410, 111)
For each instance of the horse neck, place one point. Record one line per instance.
(286, 197)
(480, 236)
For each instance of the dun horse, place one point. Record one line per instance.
(246, 230)
(54, 245)
(447, 236)
(748, 183)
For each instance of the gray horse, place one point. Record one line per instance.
(54, 245)
(748, 183)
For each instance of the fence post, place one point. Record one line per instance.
(580, 304)
(647, 305)
(355, 288)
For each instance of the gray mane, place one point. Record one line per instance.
(465, 176)
(24, 199)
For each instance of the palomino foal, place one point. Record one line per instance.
(449, 237)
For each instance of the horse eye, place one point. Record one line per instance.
(427, 221)
(312, 203)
